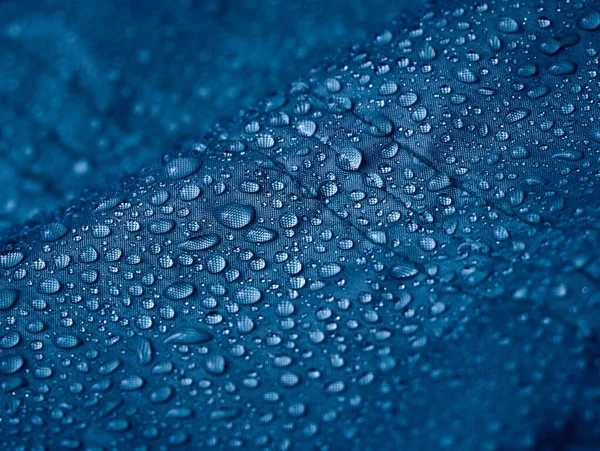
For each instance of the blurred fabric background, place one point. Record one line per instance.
(457, 268)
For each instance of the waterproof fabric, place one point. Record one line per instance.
(398, 252)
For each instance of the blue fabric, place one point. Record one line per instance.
(397, 252)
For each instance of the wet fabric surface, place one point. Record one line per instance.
(396, 252)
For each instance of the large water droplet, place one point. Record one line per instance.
(404, 271)
(161, 226)
(49, 286)
(201, 242)
(248, 296)
(67, 341)
(234, 216)
(11, 259)
(181, 167)
(259, 234)
(349, 159)
(189, 336)
(10, 364)
(179, 290)
(8, 297)
(53, 231)
(589, 21)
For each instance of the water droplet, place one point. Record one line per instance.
(466, 76)
(589, 21)
(53, 231)
(100, 231)
(144, 351)
(179, 290)
(216, 365)
(390, 151)
(215, 264)
(8, 297)
(265, 141)
(427, 244)
(407, 99)
(235, 216)
(49, 286)
(10, 340)
(10, 364)
(329, 270)
(11, 259)
(288, 220)
(508, 25)
(131, 383)
(161, 226)
(88, 255)
(259, 234)
(349, 159)
(189, 192)
(161, 394)
(404, 271)
(380, 126)
(67, 341)
(517, 115)
(182, 167)
(201, 242)
(563, 68)
(248, 296)
(189, 336)
(306, 128)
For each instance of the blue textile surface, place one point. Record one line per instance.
(393, 249)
